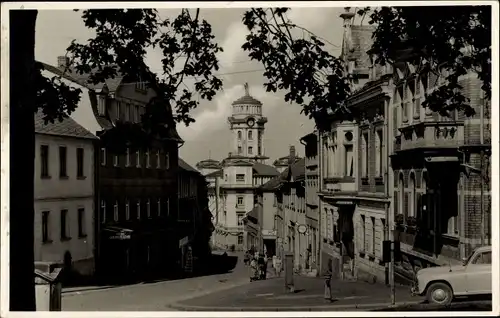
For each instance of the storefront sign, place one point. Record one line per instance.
(120, 236)
(344, 203)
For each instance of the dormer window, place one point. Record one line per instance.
(140, 85)
(101, 105)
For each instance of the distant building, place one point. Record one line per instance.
(231, 187)
(64, 194)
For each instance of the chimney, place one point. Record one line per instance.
(291, 157)
(347, 16)
(62, 61)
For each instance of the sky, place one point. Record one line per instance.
(209, 136)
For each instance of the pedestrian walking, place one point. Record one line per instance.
(277, 268)
(328, 280)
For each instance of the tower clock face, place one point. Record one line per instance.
(250, 122)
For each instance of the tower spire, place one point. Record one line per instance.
(247, 90)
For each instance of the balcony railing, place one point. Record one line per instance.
(433, 134)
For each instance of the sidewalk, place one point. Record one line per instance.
(270, 295)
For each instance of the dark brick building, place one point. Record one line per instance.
(136, 192)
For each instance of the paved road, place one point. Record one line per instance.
(270, 295)
(152, 296)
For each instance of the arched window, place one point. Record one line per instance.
(239, 134)
(401, 191)
(412, 202)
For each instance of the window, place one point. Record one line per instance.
(148, 160)
(364, 158)
(259, 151)
(137, 114)
(64, 225)
(115, 160)
(373, 235)
(159, 207)
(79, 162)
(167, 161)
(158, 163)
(240, 178)
(483, 259)
(44, 161)
(239, 150)
(240, 218)
(115, 211)
(239, 134)
(138, 208)
(148, 208)
(349, 161)
(138, 159)
(240, 239)
(81, 223)
(127, 158)
(401, 191)
(140, 85)
(45, 227)
(131, 116)
(250, 135)
(363, 233)
(380, 153)
(118, 110)
(127, 210)
(63, 173)
(103, 211)
(103, 156)
(239, 200)
(101, 105)
(168, 207)
(250, 150)
(413, 196)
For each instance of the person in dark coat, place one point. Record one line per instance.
(328, 280)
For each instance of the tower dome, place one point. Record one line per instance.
(247, 104)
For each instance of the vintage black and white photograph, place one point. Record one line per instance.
(234, 157)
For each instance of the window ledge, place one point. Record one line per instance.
(455, 237)
(362, 253)
(45, 177)
(371, 256)
(379, 180)
(65, 239)
(81, 178)
(82, 236)
(47, 242)
(364, 181)
(63, 177)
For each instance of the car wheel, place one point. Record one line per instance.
(439, 293)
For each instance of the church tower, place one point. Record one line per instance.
(247, 128)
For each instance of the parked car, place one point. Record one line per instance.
(442, 284)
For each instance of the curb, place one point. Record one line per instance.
(364, 307)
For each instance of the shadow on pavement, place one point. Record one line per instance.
(215, 265)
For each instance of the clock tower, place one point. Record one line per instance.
(247, 127)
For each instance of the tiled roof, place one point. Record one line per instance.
(263, 170)
(68, 127)
(273, 183)
(185, 166)
(83, 79)
(298, 169)
(247, 100)
(283, 161)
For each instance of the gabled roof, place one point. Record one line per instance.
(68, 128)
(298, 170)
(71, 74)
(185, 166)
(263, 170)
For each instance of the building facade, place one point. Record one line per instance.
(232, 186)
(137, 190)
(313, 220)
(64, 195)
(388, 165)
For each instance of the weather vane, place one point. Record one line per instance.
(247, 93)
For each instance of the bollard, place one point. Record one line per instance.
(48, 290)
(288, 262)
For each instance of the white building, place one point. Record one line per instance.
(64, 194)
(233, 184)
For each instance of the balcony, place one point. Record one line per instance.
(433, 134)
